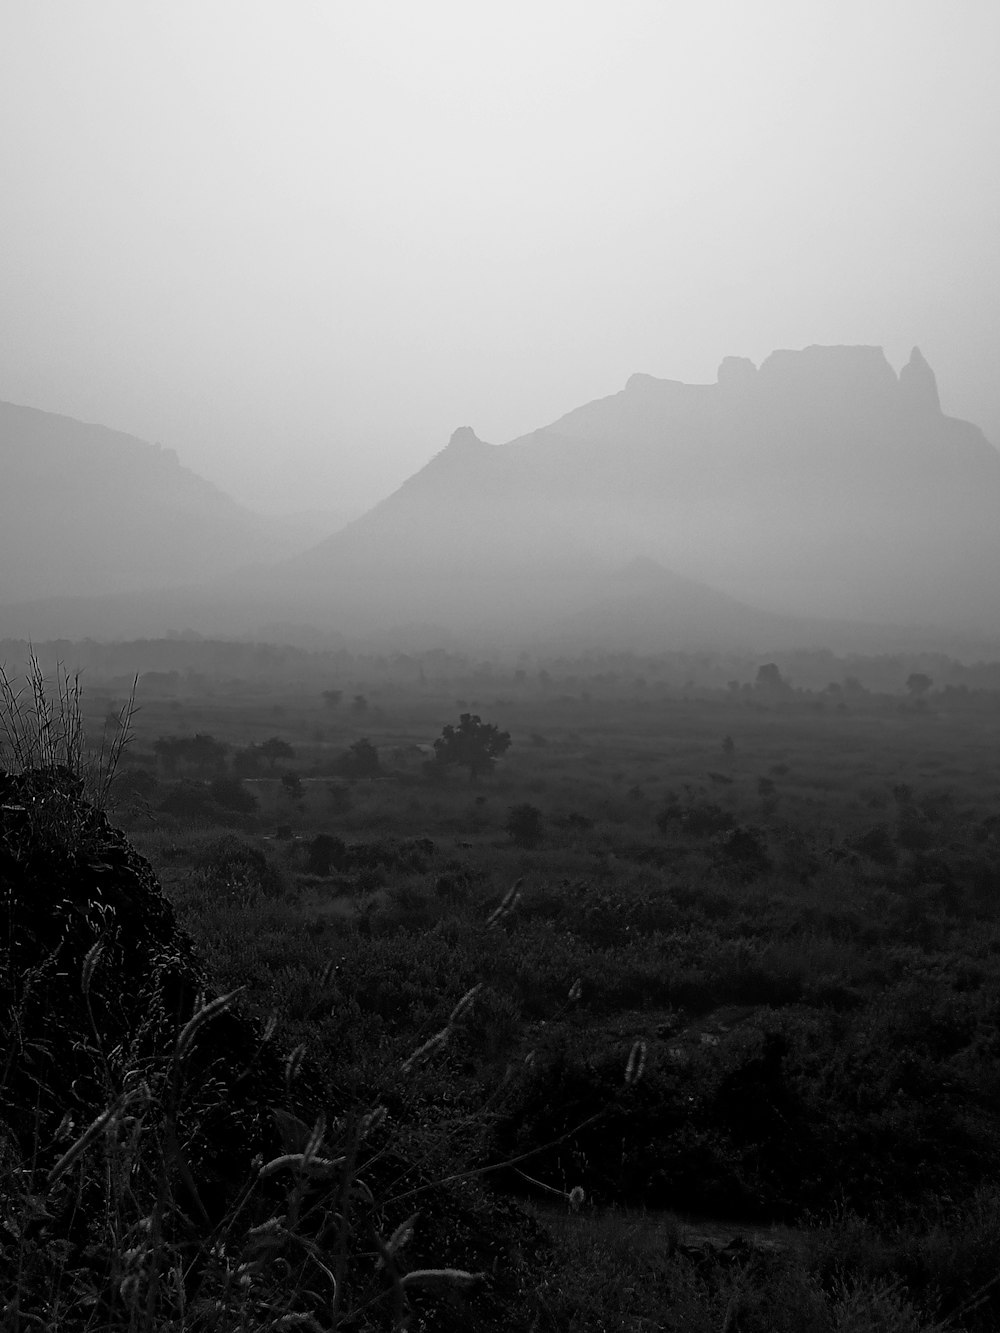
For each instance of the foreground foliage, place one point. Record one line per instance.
(616, 1003)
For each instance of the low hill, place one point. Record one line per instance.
(88, 510)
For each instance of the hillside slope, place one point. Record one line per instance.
(88, 510)
(822, 484)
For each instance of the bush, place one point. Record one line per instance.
(525, 824)
(745, 849)
(697, 821)
(326, 853)
(230, 794)
(876, 843)
(189, 799)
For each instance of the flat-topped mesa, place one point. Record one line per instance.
(849, 379)
(817, 373)
(917, 384)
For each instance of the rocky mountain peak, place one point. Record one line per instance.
(463, 437)
(918, 384)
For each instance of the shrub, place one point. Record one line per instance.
(745, 849)
(525, 824)
(876, 843)
(189, 799)
(326, 853)
(230, 794)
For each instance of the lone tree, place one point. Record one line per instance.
(274, 749)
(359, 760)
(918, 684)
(770, 680)
(473, 744)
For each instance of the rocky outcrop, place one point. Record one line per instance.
(918, 386)
(736, 371)
(97, 981)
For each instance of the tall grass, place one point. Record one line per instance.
(42, 727)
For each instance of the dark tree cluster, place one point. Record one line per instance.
(473, 744)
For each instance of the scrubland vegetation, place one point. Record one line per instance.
(679, 1013)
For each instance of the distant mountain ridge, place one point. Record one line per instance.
(819, 499)
(820, 484)
(89, 510)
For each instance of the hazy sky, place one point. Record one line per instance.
(302, 242)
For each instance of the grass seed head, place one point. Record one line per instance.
(90, 960)
(401, 1236)
(371, 1121)
(293, 1064)
(464, 1004)
(203, 1014)
(442, 1277)
(435, 1043)
(636, 1063)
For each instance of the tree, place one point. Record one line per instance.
(230, 794)
(359, 760)
(332, 698)
(203, 753)
(274, 749)
(247, 762)
(917, 684)
(473, 744)
(770, 680)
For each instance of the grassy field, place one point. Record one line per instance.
(731, 1060)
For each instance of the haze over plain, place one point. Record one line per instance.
(301, 244)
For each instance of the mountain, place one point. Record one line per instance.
(822, 484)
(88, 510)
(820, 499)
